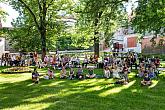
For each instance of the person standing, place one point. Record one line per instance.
(35, 56)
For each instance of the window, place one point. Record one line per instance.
(131, 42)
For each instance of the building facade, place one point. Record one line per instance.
(2, 46)
(125, 41)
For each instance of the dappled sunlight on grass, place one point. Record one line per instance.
(67, 92)
(39, 98)
(154, 83)
(92, 82)
(95, 88)
(162, 74)
(12, 78)
(96, 81)
(132, 75)
(35, 106)
(30, 84)
(136, 91)
(83, 82)
(17, 92)
(116, 89)
(55, 83)
(2, 87)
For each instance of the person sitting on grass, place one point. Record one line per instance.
(40, 64)
(90, 73)
(121, 81)
(141, 72)
(35, 76)
(50, 74)
(107, 72)
(151, 73)
(46, 60)
(63, 74)
(125, 72)
(71, 74)
(79, 74)
(60, 65)
(146, 81)
(157, 62)
(115, 72)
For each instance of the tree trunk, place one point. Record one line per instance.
(43, 10)
(96, 36)
(96, 43)
(43, 43)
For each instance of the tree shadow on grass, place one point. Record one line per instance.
(90, 94)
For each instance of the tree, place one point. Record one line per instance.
(3, 15)
(99, 15)
(42, 12)
(149, 16)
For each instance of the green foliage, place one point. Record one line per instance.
(30, 25)
(3, 14)
(149, 16)
(102, 16)
(34, 23)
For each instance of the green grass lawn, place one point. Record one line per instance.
(18, 93)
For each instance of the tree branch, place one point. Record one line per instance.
(29, 28)
(44, 11)
(39, 6)
(50, 3)
(31, 12)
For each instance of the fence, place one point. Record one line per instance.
(154, 50)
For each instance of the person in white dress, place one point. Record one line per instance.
(116, 71)
(107, 72)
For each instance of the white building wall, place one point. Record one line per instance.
(2, 46)
(121, 38)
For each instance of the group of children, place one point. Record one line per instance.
(148, 70)
(79, 74)
(117, 68)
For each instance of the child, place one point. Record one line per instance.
(151, 73)
(146, 81)
(60, 65)
(141, 72)
(71, 74)
(90, 73)
(79, 74)
(63, 73)
(107, 72)
(116, 72)
(125, 72)
(35, 76)
(46, 60)
(50, 74)
(122, 81)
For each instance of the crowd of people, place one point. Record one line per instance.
(148, 69)
(113, 66)
(19, 59)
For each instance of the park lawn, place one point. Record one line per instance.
(18, 93)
